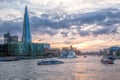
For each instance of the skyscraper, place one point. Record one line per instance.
(26, 36)
(8, 38)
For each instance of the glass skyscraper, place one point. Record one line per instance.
(26, 36)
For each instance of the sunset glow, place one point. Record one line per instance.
(87, 25)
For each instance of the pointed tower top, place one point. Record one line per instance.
(25, 8)
(26, 36)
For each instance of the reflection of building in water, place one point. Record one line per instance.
(68, 53)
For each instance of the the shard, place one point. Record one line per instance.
(26, 36)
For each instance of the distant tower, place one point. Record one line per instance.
(26, 36)
(6, 38)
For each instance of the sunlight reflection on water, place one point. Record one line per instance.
(80, 68)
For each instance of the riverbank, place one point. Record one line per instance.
(16, 58)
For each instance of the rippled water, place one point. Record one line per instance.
(80, 68)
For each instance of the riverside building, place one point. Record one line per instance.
(25, 47)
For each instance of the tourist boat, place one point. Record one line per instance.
(49, 62)
(107, 60)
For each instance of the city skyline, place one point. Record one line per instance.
(87, 25)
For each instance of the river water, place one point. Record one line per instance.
(81, 68)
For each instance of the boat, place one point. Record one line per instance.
(85, 56)
(111, 57)
(71, 54)
(49, 62)
(68, 54)
(107, 60)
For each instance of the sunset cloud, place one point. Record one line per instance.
(69, 22)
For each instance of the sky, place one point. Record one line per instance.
(88, 25)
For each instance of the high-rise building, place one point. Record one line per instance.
(26, 36)
(14, 38)
(13, 47)
(8, 38)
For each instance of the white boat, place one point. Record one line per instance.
(71, 54)
(68, 54)
(49, 62)
(107, 60)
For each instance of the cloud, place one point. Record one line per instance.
(13, 27)
(41, 40)
(13, 1)
(106, 18)
(66, 21)
(104, 21)
(65, 33)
